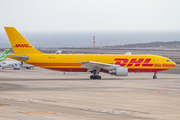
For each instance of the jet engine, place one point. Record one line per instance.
(120, 71)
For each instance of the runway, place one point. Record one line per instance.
(40, 94)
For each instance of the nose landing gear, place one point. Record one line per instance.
(154, 77)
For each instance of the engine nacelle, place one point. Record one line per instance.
(120, 71)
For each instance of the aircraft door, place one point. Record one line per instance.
(158, 62)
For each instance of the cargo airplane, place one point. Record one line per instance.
(113, 64)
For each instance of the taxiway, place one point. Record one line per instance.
(40, 94)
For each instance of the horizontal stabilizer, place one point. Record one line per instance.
(22, 57)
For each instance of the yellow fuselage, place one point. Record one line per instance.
(70, 62)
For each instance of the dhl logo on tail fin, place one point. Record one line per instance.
(22, 45)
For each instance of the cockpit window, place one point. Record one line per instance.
(168, 60)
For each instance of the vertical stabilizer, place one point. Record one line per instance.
(3, 55)
(19, 44)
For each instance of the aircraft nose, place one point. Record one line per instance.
(173, 64)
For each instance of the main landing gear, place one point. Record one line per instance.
(96, 74)
(154, 77)
(95, 77)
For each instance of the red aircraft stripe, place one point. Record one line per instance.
(85, 70)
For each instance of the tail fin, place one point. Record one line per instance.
(3, 55)
(19, 44)
(6, 51)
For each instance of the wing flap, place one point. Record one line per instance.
(95, 65)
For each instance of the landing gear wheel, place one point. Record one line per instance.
(99, 77)
(92, 77)
(28, 67)
(154, 77)
(95, 77)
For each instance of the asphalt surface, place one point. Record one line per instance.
(40, 94)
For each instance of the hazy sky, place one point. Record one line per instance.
(90, 15)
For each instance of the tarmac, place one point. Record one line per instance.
(41, 94)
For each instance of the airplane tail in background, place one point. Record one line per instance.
(19, 44)
(3, 55)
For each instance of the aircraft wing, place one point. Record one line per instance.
(97, 65)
